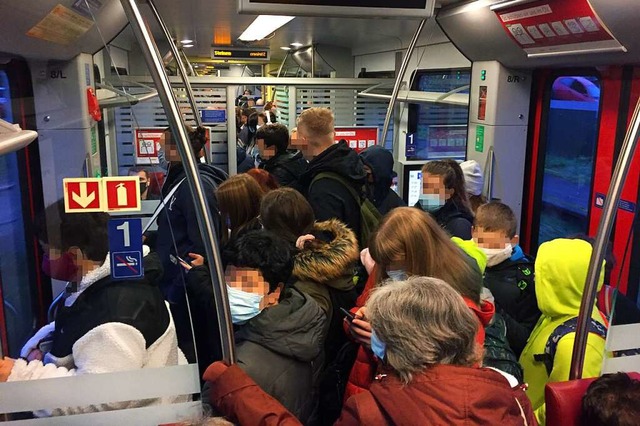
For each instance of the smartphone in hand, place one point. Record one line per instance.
(348, 315)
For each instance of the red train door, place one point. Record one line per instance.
(578, 123)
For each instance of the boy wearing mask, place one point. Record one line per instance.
(509, 273)
(279, 331)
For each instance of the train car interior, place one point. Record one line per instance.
(96, 96)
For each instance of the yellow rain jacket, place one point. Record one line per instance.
(561, 271)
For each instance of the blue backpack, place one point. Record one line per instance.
(559, 332)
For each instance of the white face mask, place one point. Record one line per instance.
(243, 305)
(497, 256)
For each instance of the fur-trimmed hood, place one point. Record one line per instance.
(333, 259)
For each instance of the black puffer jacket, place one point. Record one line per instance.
(287, 168)
(330, 198)
(513, 286)
(380, 161)
(281, 349)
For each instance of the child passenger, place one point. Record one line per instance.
(509, 274)
(561, 272)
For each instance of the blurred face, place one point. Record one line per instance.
(265, 152)
(302, 145)
(434, 184)
(261, 121)
(243, 119)
(251, 281)
(169, 147)
(491, 239)
(369, 173)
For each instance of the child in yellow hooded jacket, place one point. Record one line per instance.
(561, 271)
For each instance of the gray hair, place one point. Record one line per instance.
(423, 321)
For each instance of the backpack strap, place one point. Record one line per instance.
(559, 332)
(166, 200)
(338, 178)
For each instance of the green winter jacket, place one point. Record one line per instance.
(561, 271)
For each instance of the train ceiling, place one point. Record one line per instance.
(206, 22)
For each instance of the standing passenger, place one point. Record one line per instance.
(561, 273)
(239, 200)
(178, 232)
(378, 164)
(335, 171)
(509, 274)
(278, 331)
(286, 165)
(444, 197)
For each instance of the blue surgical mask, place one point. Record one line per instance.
(431, 202)
(243, 305)
(378, 347)
(397, 275)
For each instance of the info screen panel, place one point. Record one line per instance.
(415, 9)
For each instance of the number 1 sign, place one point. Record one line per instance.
(125, 248)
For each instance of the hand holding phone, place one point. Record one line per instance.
(348, 315)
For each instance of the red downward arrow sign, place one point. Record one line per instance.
(83, 199)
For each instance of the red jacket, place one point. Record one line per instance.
(364, 368)
(442, 395)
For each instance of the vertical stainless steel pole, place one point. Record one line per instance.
(232, 134)
(604, 232)
(399, 77)
(176, 55)
(205, 222)
(313, 60)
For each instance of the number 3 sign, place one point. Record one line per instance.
(125, 248)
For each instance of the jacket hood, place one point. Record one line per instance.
(380, 161)
(177, 173)
(447, 394)
(484, 312)
(561, 271)
(293, 328)
(339, 159)
(330, 261)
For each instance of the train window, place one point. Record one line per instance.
(569, 155)
(439, 130)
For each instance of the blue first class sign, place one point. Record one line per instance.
(125, 248)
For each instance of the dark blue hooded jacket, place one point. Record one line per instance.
(178, 220)
(380, 161)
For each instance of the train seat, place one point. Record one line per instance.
(564, 400)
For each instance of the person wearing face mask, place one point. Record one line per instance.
(105, 325)
(445, 198)
(143, 174)
(286, 165)
(410, 243)
(429, 375)
(509, 274)
(279, 330)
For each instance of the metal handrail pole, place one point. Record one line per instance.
(396, 86)
(602, 237)
(176, 55)
(205, 222)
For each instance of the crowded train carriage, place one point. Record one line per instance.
(279, 212)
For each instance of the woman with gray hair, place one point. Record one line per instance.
(425, 334)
